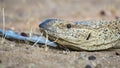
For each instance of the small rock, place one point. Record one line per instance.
(88, 66)
(102, 13)
(91, 57)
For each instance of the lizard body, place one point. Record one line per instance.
(83, 35)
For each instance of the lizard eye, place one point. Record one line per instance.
(68, 26)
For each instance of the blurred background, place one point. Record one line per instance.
(32, 12)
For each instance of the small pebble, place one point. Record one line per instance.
(91, 57)
(102, 13)
(88, 66)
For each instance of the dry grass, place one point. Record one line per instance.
(3, 13)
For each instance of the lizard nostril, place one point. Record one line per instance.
(68, 26)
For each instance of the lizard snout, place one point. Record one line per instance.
(47, 23)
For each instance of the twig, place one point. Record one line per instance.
(3, 12)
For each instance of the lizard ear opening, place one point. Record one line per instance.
(68, 26)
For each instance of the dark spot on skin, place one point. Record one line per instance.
(24, 34)
(99, 34)
(102, 13)
(91, 57)
(68, 26)
(105, 30)
(88, 36)
(88, 66)
(116, 28)
(116, 53)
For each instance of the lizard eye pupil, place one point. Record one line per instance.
(68, 26)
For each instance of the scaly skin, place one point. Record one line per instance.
(83, 35)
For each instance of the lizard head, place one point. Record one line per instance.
(87, 35)
(66, 29)
(58, 28)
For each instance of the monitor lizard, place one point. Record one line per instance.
(83, 35)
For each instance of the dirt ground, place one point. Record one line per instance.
(25, 16)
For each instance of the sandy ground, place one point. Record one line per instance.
(25, 15)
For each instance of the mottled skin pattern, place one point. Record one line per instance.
(83, 35)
